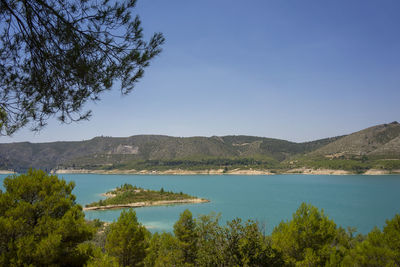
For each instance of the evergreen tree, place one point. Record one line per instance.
(165, 250)
(184, 230)
(211, 241)
(247, 246)
(392, 237)
(128, 240)
(307, 239)
(40, 223)
(380, 248)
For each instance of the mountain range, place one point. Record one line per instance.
(374, 147)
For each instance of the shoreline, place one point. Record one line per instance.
(148, 204)
(7, 172)
(229, 172)
(306, 171)
(166, 172)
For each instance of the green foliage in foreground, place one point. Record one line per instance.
(40, 225)
(128, 193)
(309, 239)
(127, 240)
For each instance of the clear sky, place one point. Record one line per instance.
(298, 70)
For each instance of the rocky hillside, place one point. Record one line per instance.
(381, 140)
(155, 151)
(107, 151)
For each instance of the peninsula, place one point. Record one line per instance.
(129, 196)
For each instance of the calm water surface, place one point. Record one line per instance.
(350, 200)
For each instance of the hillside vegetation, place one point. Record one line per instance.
(381, 140)
(375, 147)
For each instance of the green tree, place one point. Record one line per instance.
(307, 239)
(245, 245)
(184, 230)
(254, 248)
(380, 248)
(236, 244)
(127, 240)
(233, 235)
(345, 240)
(371, 252)
(392, 237)
(101, 259)
(153, 250)
(55, 55)
(40, 223)
(211, 241)
(165, 250)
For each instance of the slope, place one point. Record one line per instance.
(375, 140)
(126, 152)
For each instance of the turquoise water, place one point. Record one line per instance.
(350, 200)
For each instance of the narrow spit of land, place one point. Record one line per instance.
(129, 196)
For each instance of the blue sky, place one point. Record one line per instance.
(297, 70)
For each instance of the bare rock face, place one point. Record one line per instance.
(126, 150)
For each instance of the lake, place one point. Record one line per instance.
(350, 200)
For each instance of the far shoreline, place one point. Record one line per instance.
(249, 172)
(305, 171)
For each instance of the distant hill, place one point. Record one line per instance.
(166, 152)
(381, 140)
(107, 151)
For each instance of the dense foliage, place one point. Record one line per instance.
(309, 239)
(40, 225)
(128, 193)
(127, 240)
